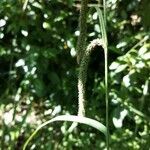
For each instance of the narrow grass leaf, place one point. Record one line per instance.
(102, 22)
(102, 25)
(84, 120)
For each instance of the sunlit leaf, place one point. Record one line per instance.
(93, 123)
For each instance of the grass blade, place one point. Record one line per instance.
(102, 22)
(84, 120)
(102, 25)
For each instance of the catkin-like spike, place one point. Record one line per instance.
(82, 76)
(81, 46)
(81, 43)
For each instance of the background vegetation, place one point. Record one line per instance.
(38, 74)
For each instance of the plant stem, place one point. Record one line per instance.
(106, 96)
(104, 10)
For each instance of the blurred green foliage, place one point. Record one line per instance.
(38, 74)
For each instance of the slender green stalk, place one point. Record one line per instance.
(140, 42)
(105, 13)
(106, 96)
(102, 22)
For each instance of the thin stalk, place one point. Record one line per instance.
(106, 96)
(104, 10)
(140, 42)
(102, 21)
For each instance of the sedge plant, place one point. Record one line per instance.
(83, 59)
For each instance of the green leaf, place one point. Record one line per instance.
(146, 56)
(118, 117)
(121, 68)
(102, 25)
(114, 66)
(93, 123)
